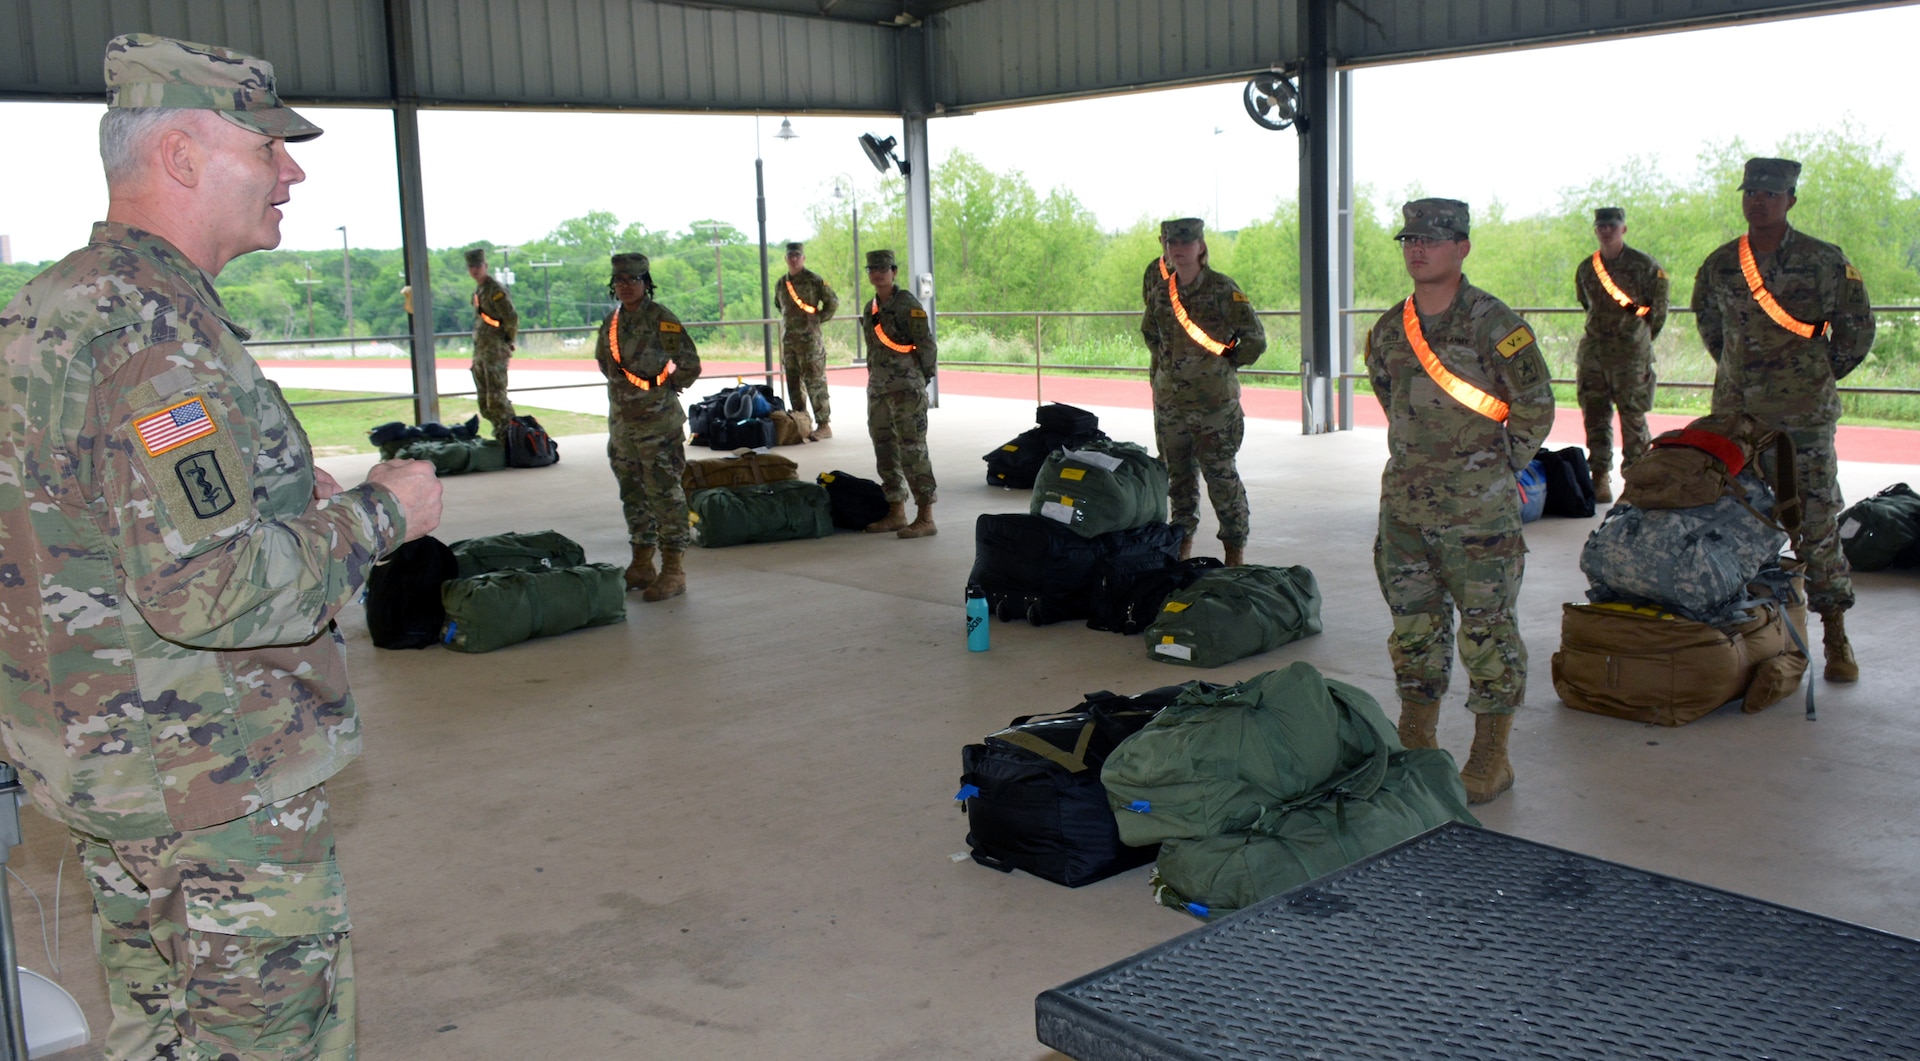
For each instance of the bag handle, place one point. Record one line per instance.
(1073, 762)
(1361, 782)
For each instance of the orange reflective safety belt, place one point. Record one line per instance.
(613, 345)
(1463, 392)
(873, 311)
(483, 313)
(1194, 331)
(1751, 270)
(1613, 289)
(798, 301)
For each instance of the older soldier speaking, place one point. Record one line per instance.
(171, 562)
(1468, 402)
(1784, 316)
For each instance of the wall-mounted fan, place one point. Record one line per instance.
(1273, 101)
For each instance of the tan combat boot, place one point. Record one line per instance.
(821, 433)
(640, 573)
(895, 519)
(1603, 486)
(1488, 773)
(1186, 547)
(1841, 666)
(1418, 722)
(922, 525)
(672, 581)
(1236, 554)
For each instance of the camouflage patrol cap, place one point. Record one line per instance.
(148, 71)
(796, 248)
(1183, 229)
(881, 260)
(1771, 175)
(631, 263)
(476, 256)
(1610, 215)
(1434, 219)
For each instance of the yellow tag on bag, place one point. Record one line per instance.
(1073, 473)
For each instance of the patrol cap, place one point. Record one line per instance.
(881, 260)
(1771, 175)
(796, 248)
(631, 263)
(476, 256)
(144, 70)
(1610, 215)
(1183, 229)
(1434, 219)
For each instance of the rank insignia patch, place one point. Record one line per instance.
(173, 427)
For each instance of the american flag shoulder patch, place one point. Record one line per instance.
(174, 426)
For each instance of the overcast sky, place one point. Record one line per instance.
(1517, 127)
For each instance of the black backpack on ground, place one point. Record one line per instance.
(702, 414)
(529, 445)
(856, 502)
(1033, 795)
(1017, 464)
(1032, 568)
(403, 594)
(1569, 482)
(1126, 602)
(1064, 419)
(752, 433)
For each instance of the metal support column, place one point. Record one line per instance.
(1319, 225)
(1343, 250)
(917, 92)
(413, 210)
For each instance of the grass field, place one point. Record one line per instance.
(335, 430)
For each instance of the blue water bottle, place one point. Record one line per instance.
(976, 619)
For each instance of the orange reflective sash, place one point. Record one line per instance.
(1463, 392)
(483, 313)
(873, 313)
(613, 345)
(1751, 270)
(1613, 289)
(798, 301)
(1194, 331)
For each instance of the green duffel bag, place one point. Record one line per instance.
(1883, 530)
(504, 608)
(517, 551)
(1101, 486)
(764, 512)
(1417, 790)
(457, 456)
(1221, 756)
(1230, 613)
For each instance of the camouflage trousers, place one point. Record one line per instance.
(1427, 572)
(490, 381)
(1817, 467)
(805, 362)
(647, 462)
(1204, 442)
(1608, 376)
(897, 423)
(228, 943)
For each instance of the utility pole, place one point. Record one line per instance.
(548, 277)
(346, 271)
(308, 284)
(719, 286)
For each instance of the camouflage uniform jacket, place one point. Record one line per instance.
(650, 337)
(1449, 466)
(1185, 374)
(812, 290)
(1638, 277)
(491, 299)
(905, 323)
(1764, 369)
(169, 659)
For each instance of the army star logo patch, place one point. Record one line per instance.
(206, 485)
(174, 426)
(1515, 341)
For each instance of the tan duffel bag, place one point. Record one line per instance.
(1651, 666)
(742, 468)
(791, 428)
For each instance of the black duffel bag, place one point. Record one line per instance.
(855, 502)
(403, 594)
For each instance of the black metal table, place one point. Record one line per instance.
(1463, 943)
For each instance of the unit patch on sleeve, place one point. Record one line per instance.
(1517, 340)
(1239, 296)
(916, 313)
(205, 484)
(670, 326)
(174, 426)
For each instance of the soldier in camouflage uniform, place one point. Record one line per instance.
(806, 302)
(172, 685)
(1200, 331)
(901, 358)
(648, 358)
(1625, 295)
(1781, 338)
(1468, 402)
(495, 327)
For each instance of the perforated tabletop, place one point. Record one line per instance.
(1463, 943)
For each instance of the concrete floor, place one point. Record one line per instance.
(725, 828)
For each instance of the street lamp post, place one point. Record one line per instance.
(548, 277)
(346, 271)
(859, 347)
